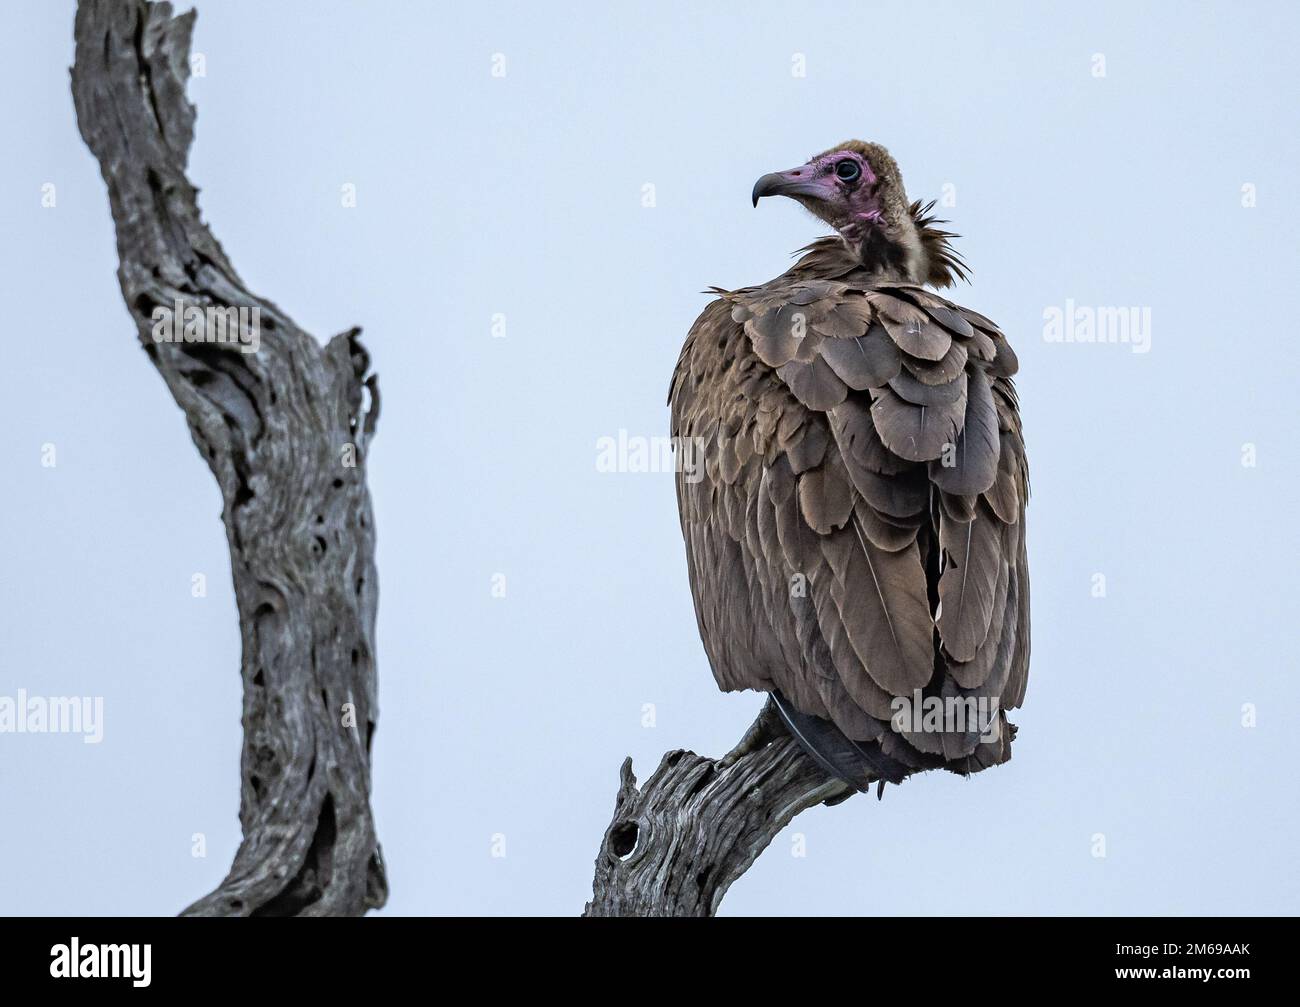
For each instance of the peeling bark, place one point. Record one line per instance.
(285, 430)
(675, 845)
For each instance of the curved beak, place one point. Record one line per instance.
(795, 182)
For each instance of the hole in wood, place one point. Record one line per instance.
(622, 839)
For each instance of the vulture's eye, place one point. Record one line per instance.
(848, 170)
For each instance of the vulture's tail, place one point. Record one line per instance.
(857, 763)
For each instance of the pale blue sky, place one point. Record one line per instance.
(522, 196)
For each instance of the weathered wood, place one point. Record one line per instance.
(285, 430)
(676, 844)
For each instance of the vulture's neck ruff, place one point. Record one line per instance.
(888, 253)
(913, 251)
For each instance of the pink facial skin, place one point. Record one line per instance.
(839, 188)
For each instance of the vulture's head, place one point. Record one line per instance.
(858, 189)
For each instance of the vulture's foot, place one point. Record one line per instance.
(831, 793)
(762, 732)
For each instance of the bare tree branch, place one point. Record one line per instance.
(284, 429)
(675, 846)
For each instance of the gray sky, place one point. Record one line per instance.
(522, 196)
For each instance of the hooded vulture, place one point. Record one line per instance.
(855, 536)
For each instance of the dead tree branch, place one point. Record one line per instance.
(284, 424)
(675, 846)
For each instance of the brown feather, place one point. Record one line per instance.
(882, 600)
(972, 553)
(917, 433)
(814, 383)
(941, 371)
(864, 362)
(920, 394)
(918, 336)
(975, 456)
(826, 496)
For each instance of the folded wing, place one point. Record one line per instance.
(856, 531)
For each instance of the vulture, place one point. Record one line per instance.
(855, 534)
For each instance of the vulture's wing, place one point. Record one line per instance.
(855, 532)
